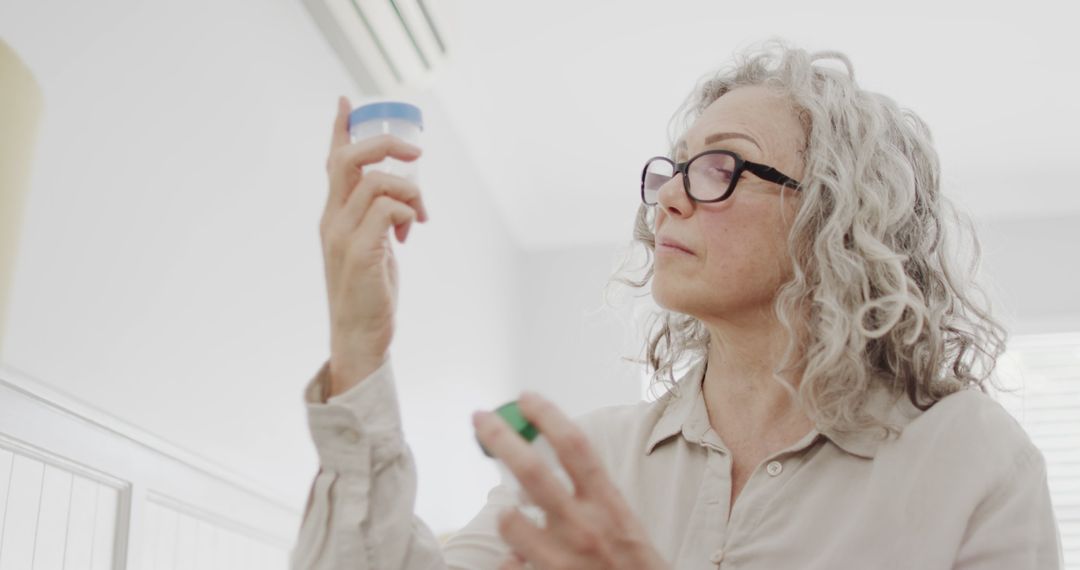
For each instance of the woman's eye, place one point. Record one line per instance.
(722, 173)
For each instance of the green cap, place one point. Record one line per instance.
(511, 413)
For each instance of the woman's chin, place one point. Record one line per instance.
(666, 298)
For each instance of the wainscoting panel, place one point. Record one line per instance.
(53, 518)
(82, 490)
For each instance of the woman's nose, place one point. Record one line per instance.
(672, 197)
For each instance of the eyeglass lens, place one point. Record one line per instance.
(710, 177)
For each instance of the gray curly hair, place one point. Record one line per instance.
(877, 296)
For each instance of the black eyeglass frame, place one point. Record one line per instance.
(762, 171)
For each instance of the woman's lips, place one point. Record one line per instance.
(672, 248)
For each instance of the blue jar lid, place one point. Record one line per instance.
(386, 110)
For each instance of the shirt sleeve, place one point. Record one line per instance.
(360, 509)
(1014, 527)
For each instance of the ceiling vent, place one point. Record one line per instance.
(388, 46)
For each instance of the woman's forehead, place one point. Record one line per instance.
(754, 115)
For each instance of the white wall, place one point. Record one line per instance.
(574, 340)
(170, 270)
(1033, 268)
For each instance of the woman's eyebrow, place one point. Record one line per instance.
(716, 137)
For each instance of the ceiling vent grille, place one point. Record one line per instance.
(388, 46)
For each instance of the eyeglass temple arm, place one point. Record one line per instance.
(772, 175)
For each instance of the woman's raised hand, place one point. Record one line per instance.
(361, 273)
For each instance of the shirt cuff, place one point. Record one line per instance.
(359, 429)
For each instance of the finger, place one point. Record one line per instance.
(346, 162)
(340, 135)
(527, 541)
(524, 462)
(569, 442)
(384, 213)
(339, 177)
(374, 149)
(375, 184)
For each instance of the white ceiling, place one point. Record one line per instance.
(562, 101)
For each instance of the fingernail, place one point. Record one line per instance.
(479, 416)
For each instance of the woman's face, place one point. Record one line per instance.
(739, 256)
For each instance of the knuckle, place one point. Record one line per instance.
(372, 179)
(329, 217)
(326, 226)
(411, 189)
(334, 158)
(382, 204)
(335, 248)
(588, 541)
(387, 183)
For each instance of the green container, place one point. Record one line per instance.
(511, 413)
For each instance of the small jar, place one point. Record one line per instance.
(511, 414)
(397, 118)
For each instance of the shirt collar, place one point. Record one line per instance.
(684, 411)
(676, 407)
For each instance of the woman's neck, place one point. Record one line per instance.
(739, 387)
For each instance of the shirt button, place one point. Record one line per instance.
(350, 435)
(717, 557)
(774, 468)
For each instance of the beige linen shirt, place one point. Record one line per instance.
(961, 487)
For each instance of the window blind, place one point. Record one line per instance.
(1042, 376)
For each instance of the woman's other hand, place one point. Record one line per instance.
(591, 528)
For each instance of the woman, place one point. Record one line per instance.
(833, 415)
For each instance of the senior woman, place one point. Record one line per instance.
(834, 413)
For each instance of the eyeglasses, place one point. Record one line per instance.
(712, 175)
